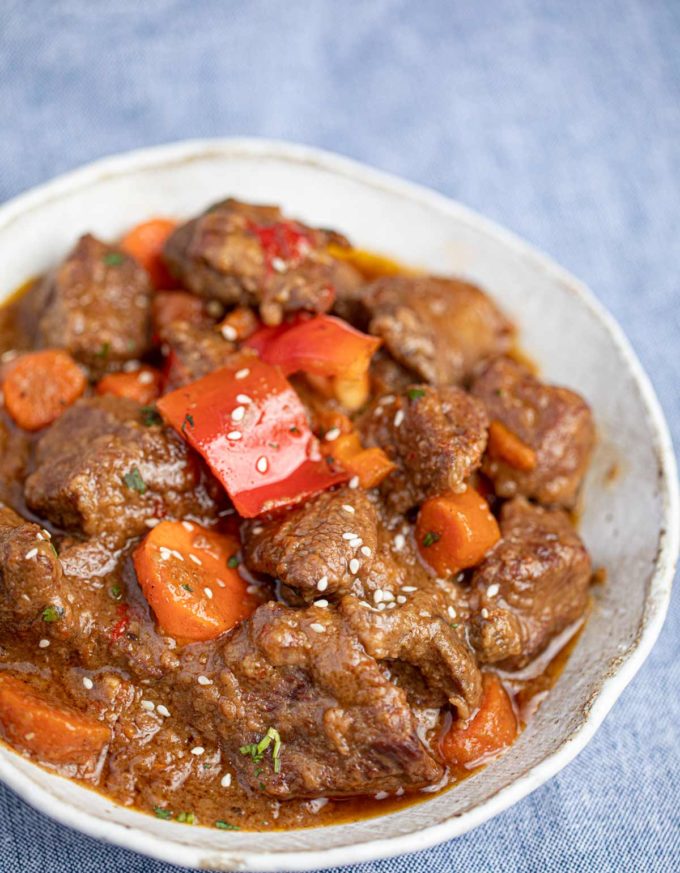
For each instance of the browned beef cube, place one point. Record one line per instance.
(14, 451)
(530, 587)
(345, 729)
(438, 328)
(435, 436)
(194, 352)
(555, 422)
(101, 472)
(98, 306)
(253, 255)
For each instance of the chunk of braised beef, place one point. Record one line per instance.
(344, 728)
(14, 454)
(98, 306)
(554, 422)
(242, 253)
(440, 329)
(101, 472)
(530, 587)
(435, 436)
(193, 352)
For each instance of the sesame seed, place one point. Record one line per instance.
(145, 377)
(381, 795)
(381, 606)
(148, 705)
(408, 588)
(258, 529)
(365, 550)
(151, 522)
(238, 413)
(43, 644)
(225, 781)
(424, 614)
(187, 525)
(399, 542)
(253, 589)
(391, 605)
(485, 613)
(322, 584)
(221, 583)
(332, 434)
(234, 435)
(31, 554)
(229, 332)
(88, 683)
(30, 736)
(203, 680)
(348, 535)
(197, 750)
(317, 628)
(354, 482)
(354, 565)
(348, 508)
(208, 593)
(47, 534)
(322, 603)
(262, 464)
(244, 398)
(377, 595)
(387, 594)
(493, 590)
(195, 559)
(356, 542)
(451, 611)
(163, 710)
(401, 598)
(399, 417)
(242, 374)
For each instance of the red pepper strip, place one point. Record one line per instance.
(251, 428)
(323, 345)
(121, 625)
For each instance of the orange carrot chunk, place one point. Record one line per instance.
(454, 531)
(492, 728)
(39, 386)
(505, 445)
(143, 385)
(52, 733)
(188, 575)
(145, 243)
(370, 465)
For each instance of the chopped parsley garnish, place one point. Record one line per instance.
(54, 551)
(233, 562)
(116, 592)
(186, 817)
(160, 812)
(133, 479)
(188, 420)
(104, 351)
(52, 613)
(415, 393)
(150, 416)
(454, 624)
(256, 750)
(430, 538)
(498, 392)
(294, 429)
(187, 588)
(226, 826)
(113, 259)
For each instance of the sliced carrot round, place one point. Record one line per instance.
(188, 575)
(145, 243)
(39, 386)
(454, 531)
(492, 728)
(56, 734)
(143, 385)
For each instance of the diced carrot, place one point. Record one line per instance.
(170, 306)
(370, 465)
(39, 386)
(145, 243)
(454, 531)
(189, 578)
(56, 734)
(143, 385)
(505, 445)
(239, 324)
(491, 729)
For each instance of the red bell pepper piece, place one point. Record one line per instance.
(250, 426)
(323, 345)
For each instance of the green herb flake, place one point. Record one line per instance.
(454, 624)
(160, 812)
(51, 613)
(150, 416)
(415, 393)
(116, 592)
(187, 588)
(294, 429)
(186, 818)
(133, 480)
(104, 351)
(256, 751)
(113, 259)
(188, 420)
(430, 538)
(54, 551)
(233, 562)
(226, 826)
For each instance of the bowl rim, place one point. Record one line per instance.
(656, 602)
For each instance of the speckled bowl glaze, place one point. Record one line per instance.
(630, 520)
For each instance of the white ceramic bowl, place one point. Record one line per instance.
(630, 522)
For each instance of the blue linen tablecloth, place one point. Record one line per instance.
(559, 120)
